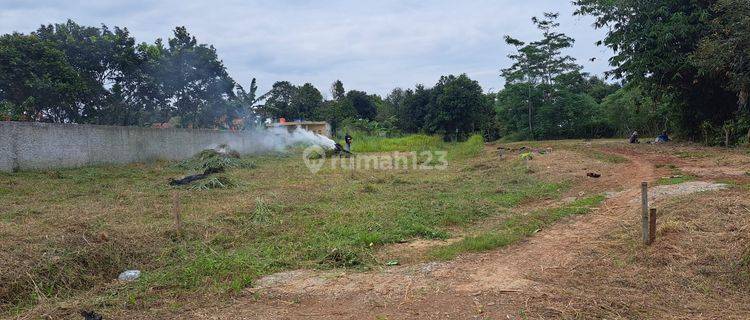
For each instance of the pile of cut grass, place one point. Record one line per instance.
(215, 161)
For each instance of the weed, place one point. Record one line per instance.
(341, 258)
(369, 188)
(262, 213)
(470, 148)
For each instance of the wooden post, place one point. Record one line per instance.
(644, 212)
(176, 212)
(651, 226)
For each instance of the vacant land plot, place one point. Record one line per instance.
(66, 234)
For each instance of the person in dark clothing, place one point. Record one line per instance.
(634, 137)
(348, 141)
(663, 138)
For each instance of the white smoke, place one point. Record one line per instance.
(281, 138)
(275, 139)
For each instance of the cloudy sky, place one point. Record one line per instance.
(369, 45)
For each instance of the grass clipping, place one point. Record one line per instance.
(212, 161)
(216, 160)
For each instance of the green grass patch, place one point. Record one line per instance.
(417, 142)
(677, 176)
(470, 148)
(678, 179)
(516, 228)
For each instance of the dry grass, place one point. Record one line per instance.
(697, 269)
(67, 233)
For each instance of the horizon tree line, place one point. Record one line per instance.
(698, 88)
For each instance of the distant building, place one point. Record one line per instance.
(320, 127)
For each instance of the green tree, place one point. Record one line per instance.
(540, 62)
(725, 52)
(36, 80)
(279, 101)
(653, 43)
(337, 90)
(196, 81)
(103, 58)
(306, 101)
(630, 109)
(389, 107)
(456, 107)
(411, 108)
(363, 104)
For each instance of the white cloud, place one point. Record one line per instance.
(373, 46)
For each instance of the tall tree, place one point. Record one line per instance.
(36, 80)
(456, 106)
(279, 101)
(102, 58)
(725, 52)
(306, 101)
(196, 80)
(540, 62)
(337, 90)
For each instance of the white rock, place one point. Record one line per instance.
(129, 275)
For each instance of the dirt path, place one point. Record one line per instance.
(487, 285)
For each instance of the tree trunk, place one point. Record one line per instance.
(742, 98)
(531, 129)
(727, 133)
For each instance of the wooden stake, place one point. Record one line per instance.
(176, 212)
(644, 212)
(652, 226)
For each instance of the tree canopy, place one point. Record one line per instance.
(686, 53)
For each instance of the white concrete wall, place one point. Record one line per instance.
(29, 145)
